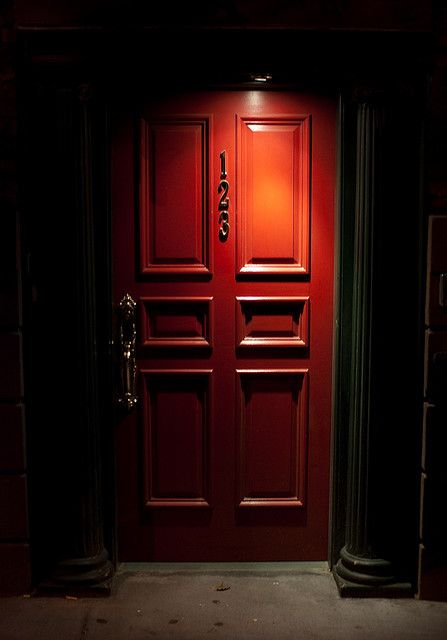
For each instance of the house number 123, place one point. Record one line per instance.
(224, 201)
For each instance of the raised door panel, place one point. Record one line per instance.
(279, 322)
(176, 322)
(174, 196)
(273, 195)
(176, 430)
(272, 437)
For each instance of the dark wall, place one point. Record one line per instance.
(375, 14)
(433, 527)
(14, 548)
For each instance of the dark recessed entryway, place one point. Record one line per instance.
(80, 84)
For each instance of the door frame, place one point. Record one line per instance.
(387, 74)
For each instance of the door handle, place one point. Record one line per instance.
(127, 345)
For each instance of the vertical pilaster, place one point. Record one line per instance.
(85, 562)
(362, 568)
(66, 343)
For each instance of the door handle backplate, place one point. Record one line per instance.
(127, 344)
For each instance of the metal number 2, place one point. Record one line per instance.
(224, 201)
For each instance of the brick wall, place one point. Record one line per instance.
(14, 547)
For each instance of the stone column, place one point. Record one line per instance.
(362, 568)
(82, 561)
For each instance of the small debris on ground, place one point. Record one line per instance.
(223, 587)
(70, 598)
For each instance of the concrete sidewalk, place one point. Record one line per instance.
(231, 602)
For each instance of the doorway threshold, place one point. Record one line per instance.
(222, 568)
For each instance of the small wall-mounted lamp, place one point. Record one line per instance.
(261, 77)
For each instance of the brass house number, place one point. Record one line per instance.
(224, 201)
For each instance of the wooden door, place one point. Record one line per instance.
(226, 457)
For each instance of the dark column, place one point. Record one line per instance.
(67, 413)
(364, 567)
(86, 562)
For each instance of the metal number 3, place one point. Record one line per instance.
(224, 201)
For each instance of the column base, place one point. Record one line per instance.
(368, 578)
(81, 576)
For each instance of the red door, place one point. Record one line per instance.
(223, 235)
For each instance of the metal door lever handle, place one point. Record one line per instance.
(127, 344)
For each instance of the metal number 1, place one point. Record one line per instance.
(224, 201)
(223, 165)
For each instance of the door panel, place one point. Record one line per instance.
(176, 322)
(272, 322)
(227, 456)
(273, 194)
(272, 434)
(174, 194)
(176, 427)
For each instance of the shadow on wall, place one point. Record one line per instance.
(376, 14)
